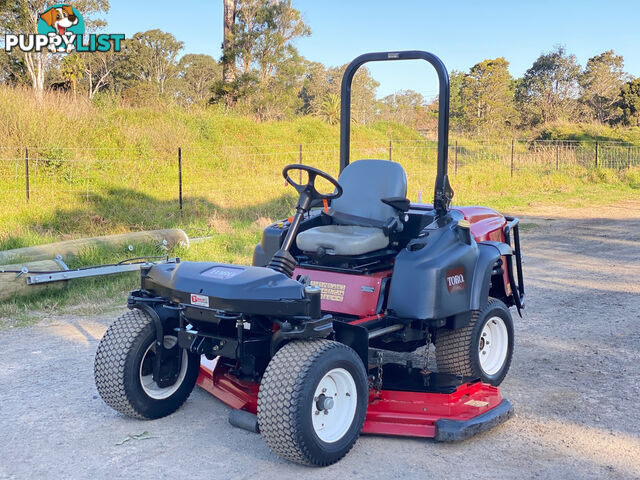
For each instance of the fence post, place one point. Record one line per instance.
(455, 159)
(557, 157)
(300, 162)
(628, 157)
(596, 154)
(390, 148)
(26, 171)
(180, 176)
(512, 157)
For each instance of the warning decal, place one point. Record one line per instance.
(476, 403)
(333, 292)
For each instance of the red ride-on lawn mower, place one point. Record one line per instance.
(303, 344)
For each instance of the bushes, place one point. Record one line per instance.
(631, 177)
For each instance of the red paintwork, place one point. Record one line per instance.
(367, 319)
(486, 224)
(354, 301)
(415, 414)
(217, 380)
(389, 413)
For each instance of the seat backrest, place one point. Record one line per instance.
(365, 182)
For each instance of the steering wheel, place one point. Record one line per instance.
(309, 190)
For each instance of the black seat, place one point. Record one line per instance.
(359, 215)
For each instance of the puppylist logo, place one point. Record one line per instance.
(61, 30)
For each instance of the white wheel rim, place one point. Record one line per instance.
(331, 424)
(149, 385)
(493, 345)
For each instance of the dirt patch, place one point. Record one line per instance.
(574, 381)
(219, 224)
(262, 222)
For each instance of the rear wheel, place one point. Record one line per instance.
(123, 369)
(313, 401)
(482, 349)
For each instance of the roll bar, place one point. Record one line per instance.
(442, 192)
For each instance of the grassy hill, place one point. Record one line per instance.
(100, 168)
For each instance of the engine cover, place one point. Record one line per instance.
(235, 288)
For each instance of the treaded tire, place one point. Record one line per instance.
(457, 350)
(117, 369)
(286, 397)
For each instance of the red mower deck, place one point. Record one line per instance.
(472, 408)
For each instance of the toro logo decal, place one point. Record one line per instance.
(201, 300)
(455, 280)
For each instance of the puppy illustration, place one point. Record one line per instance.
(60, 18)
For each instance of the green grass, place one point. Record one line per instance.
(99, 170)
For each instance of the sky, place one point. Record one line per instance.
(461, 33)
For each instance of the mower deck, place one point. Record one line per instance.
(443, 407)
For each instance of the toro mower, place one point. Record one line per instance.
(312, 345)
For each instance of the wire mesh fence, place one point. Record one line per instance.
(240, 175)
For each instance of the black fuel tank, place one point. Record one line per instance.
(432, 277)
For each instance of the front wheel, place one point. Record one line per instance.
(312, 402)
(482, 349)
(123, 369)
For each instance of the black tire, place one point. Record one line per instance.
(286, 399)
(458, 351)
(118, 369)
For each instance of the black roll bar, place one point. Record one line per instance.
(442, 192)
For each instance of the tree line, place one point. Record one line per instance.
(555, 88)
(262, 73)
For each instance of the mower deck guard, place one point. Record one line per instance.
(446, 413)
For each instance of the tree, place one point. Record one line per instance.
(405, 106)
(629, 102)
(98, 69)
(263, 33)
(21, 16)
(72, 69)
(486, 97)
(455, 99)
(601, 82)
(278, 97)
(549, 89)
(330, 109)
(151, 56)
(198, 74)
(228, 57)
(13, 70)
(260, 43)
(274, 47)
(320, 82)
(363, 95)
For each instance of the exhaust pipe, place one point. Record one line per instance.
(385, 330)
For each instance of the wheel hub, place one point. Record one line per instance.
(493, 345)
(171, 371)
(324, 402)
(334, 405)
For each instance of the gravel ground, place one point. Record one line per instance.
(574, 381)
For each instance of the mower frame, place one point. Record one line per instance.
(445, 271)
